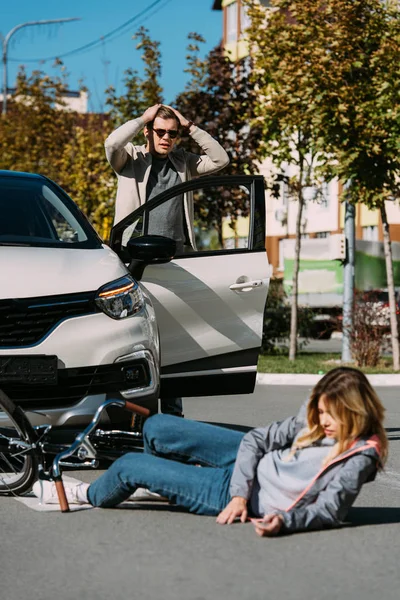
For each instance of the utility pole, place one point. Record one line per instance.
(348, 277)
(5, 47)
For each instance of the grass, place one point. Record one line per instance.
(315, 362)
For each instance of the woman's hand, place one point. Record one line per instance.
(269, 526)
(236, 509)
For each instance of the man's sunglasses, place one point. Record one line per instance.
(171, 132)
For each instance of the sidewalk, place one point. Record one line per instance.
(311, 380)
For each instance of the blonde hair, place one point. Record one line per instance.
(355, 406)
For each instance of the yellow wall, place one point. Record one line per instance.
(242, 228)
(239, 48)
(368, 217)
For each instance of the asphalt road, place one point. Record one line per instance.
(165, 553)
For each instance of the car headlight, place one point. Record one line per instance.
(120, 299)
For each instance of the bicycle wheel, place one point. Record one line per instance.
(18, 466)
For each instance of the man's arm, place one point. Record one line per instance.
(117, 140)
(214, 158)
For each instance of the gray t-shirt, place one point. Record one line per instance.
(280, 481)
(168, 218)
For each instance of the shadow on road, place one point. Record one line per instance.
(361, 515)
(244, 428)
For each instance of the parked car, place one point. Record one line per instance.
(81, 321)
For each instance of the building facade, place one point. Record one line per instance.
(324, 212)
(73, 100)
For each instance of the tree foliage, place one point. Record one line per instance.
(86, 175)
(38, 134)
(334, 64)
(282, 114)
(220, 99)
(331, 69)
(140, 92)
(34, 130)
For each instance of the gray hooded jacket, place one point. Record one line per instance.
(327, 499)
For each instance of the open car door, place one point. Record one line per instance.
(209, 301)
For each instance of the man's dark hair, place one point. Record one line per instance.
(164, 113)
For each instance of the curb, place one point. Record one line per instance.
(311, 380)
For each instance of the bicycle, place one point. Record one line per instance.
(25, 450)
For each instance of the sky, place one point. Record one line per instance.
(168, 21)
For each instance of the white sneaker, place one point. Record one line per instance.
(47, 493)
(144, 494)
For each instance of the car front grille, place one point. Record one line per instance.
(74, 384)
(26, 321)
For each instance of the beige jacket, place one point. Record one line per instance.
(132, 165)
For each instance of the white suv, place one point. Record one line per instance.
(77, 327)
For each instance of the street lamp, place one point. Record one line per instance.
(5, 46)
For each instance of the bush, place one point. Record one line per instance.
(368, 335)
(276, 329)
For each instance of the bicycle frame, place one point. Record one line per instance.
(83, 445)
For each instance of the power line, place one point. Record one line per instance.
(100, 40)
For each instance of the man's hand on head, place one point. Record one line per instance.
(182, 121)
(150, 113)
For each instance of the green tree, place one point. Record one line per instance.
(140, 92)
(334, 65)
(219, 98)
(357, 112)
(36, 127)
(85, 174)
(40, 135)
(282, 114)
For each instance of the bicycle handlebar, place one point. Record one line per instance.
(62, 498)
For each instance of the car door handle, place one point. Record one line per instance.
(246, 286)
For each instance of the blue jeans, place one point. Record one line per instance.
(173, 449)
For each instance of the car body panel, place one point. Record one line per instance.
(50, 271)
(40, 280)
(95, 339)
(210, 323)
(198, 314)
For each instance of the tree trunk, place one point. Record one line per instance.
(390, 283)
(295, 282)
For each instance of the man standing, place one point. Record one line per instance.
(145, 171)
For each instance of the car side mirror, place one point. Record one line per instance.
(149, 249)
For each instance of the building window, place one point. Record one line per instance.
(324, 195)
(284, 193)
(231, 22)
(281, 265)
(322, 234)
(370, 233)
(244, 19)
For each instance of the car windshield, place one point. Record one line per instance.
(36, 213)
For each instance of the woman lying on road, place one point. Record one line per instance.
(298, 474)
